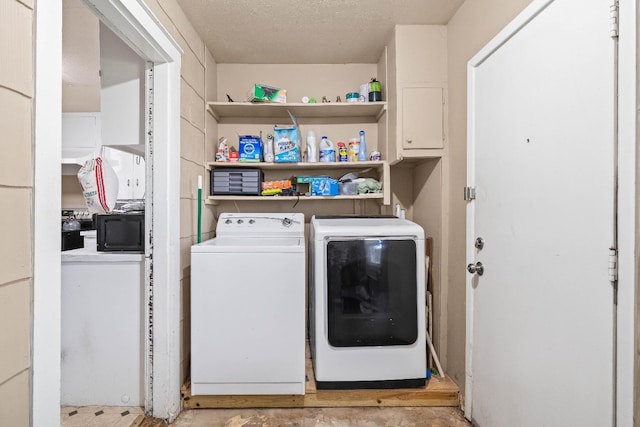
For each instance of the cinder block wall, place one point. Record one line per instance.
(16, 193)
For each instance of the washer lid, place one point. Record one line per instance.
(260, 225)
(272, 245)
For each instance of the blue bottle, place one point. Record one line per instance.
(362, 153)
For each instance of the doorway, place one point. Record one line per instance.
(133, 22)
(539, 294)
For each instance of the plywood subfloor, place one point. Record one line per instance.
(111, 416)
(323, 417)
(437, 392)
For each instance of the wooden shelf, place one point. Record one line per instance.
(328, 113)
(241, 112)
(301, 198)
(382, 168)
(437, 392)
(300, 166)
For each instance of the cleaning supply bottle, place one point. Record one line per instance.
(312, 149)
(362, 152)
(268, 149)
(327, 152)
(342, 152)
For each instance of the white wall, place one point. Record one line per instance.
(473, 25)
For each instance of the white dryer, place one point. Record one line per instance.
(248, 306)
(367, 302)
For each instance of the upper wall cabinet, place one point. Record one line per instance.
(422, 113)
(417, 91)
(80, 139)
(122, 78)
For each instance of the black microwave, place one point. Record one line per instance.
(120, 232)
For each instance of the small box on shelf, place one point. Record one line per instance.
(228, 182)
(250, 149)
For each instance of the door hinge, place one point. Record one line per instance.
(614, 20)
(613, 265)
(469, 193)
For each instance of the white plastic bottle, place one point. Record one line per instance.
(312, 148)
(327, 153)
(268, 149)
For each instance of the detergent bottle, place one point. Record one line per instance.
(312, 148)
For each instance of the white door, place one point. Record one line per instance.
(540, 324)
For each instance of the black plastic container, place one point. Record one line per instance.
(72, 240)
(236, 181)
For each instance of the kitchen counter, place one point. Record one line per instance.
(90, 254)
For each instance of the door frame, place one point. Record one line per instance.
(134, 22)
(627, 209)
(627, 378)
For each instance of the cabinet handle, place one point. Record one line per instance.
(409, 140)
(137, 160)
(137, 182)
(128, 183)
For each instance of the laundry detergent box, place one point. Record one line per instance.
(264, 93)
(324, 186)
(286, 144)
(303, 183)
(250, 148)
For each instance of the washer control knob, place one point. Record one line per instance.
(228, 221)
(240, 221)
(286, 222)
(252, 221)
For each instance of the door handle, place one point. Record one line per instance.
(476, 268)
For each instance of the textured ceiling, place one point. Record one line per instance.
(307, 31)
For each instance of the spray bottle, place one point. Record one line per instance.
(268, 149)
(362, 152)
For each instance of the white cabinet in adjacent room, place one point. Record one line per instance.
(122, 88)
(102, 328)
(130, 169)
(80, 135)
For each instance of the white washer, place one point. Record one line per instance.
(367, 302)
(248, 306)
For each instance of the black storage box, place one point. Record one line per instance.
(230, 181)
(72, 240)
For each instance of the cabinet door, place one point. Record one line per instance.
(422, 117)
(421, 53)
(138, 177)
(80, 134)
(122, 164)
(122, 90)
